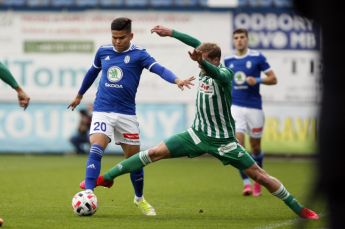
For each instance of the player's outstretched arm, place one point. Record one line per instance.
(167, 32)
(76, 101)
(89, 78)
(23, 98)
(185, 82)
(169, 76)
(7, 77)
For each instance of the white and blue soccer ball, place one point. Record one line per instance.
(84, 203)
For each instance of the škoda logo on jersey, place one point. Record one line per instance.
(114, 74)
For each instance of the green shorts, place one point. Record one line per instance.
(192, 143)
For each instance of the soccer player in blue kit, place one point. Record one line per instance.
(114, 107)
(246, 107)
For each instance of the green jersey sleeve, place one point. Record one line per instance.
(7, 77)
(185, 38)
(222, 74)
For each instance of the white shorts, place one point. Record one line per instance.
(248, 120)
(124, 128)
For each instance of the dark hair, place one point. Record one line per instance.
(240, 30)
(212, 49)
(122, 23)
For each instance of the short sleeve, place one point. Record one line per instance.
(263, 64)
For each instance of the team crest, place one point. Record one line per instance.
(114, 74)
(248, 64)
(240, 77)
(127, 59)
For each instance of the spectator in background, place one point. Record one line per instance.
(81, 139)
(7, 77)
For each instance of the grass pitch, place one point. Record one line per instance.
(36, 192)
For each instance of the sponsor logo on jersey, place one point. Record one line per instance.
(206, 87)
(114, 74)
(107, 58)
(113, 85)
(240, 77)
(127, 59)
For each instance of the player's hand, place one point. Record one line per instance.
(196, 55)
(251, 81)
(162, 31)
(75, 102)
(185, 83)
(23, 98)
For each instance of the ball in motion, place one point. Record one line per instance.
(84, 203)
(1, 222)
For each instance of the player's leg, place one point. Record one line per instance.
(138, 161)
(127, 135)
(239, 115)
(258, 156)
(93, 165)
(137, 178)
(256, 121)
(247, 187)
(100, 133)
(276, 188)
(178, 145)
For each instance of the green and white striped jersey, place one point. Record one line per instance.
(213, 115)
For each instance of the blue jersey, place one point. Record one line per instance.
(120, 78)
(251, 64)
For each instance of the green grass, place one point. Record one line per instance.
(36, 192)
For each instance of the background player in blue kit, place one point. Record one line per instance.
(247, 110)
(114, 110)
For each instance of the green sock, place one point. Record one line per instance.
(131, 164)
(288, 199)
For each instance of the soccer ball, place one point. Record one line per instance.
(84, 203)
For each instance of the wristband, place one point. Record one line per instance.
(258, 80)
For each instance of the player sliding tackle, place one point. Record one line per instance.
(212, 130)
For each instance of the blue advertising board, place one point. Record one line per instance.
(46, 128)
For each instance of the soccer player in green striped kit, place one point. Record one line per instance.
(212, 130)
